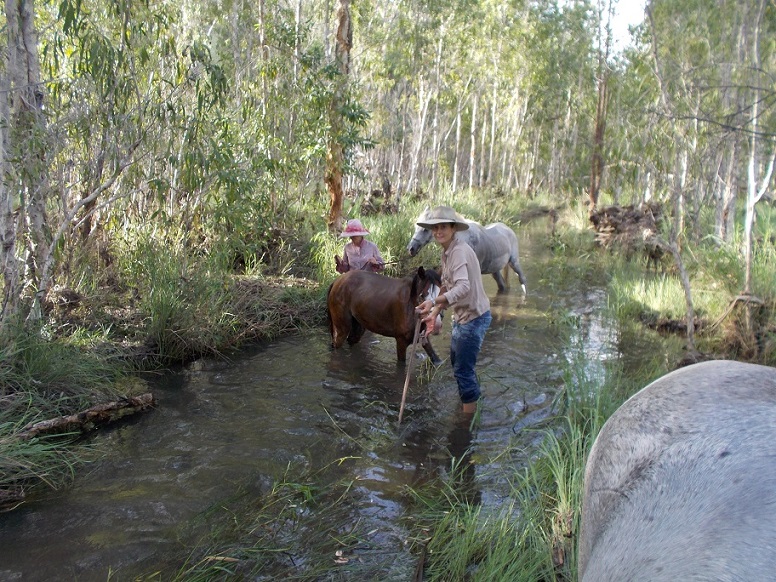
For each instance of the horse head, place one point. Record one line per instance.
(425, 284)
(421, 237)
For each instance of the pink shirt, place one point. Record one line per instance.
(357, 258)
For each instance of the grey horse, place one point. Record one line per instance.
(495, 245)
(681, 481)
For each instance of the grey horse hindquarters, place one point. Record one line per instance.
(681, 481)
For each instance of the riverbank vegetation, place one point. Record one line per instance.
(162, 198)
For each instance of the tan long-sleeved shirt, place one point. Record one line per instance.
(462, 282)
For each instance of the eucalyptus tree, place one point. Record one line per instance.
(335, 157)
(758, 173)
(604, 15)
(714, 106)
(25, 137)
(561, 111)
(405, 83)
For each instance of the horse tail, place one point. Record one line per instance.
(514, 261)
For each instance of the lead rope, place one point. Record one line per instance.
(410, 365)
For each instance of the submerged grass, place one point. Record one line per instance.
(300, 528)
(533, 534)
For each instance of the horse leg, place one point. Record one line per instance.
(515, 264)
(356, 332)
(430, 351)
(502, 284)
(401, 349)
(339, 326)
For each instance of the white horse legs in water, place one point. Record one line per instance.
(681, 481)
(495, 246)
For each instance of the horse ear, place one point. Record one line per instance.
(421, 272)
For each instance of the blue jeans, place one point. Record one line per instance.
(464, 347)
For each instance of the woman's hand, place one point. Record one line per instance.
(430, 315)
(424, 308)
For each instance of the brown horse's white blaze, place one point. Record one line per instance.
(681, 481)
(359, 300)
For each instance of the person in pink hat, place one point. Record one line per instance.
(359, 254)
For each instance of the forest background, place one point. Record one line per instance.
(174, 173)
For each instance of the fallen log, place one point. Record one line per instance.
(89, 419)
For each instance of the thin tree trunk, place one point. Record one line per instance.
(473, 144)
(456, 161)
(264, 51)
(27, 119)
(8, 192)
(680, 169)
(335, 158)
(483, 139)
(402, 148)
(424, 99)
(597, 162)
(493, 109)
(297, 38)
(602, 78)
(727, 220)
(753, 192)
(435, 124)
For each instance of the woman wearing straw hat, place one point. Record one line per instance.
(359, 254)
(462, 290)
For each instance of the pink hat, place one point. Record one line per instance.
(354, 228)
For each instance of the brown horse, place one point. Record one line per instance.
(360, 300)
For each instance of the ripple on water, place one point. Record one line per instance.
(223, 425)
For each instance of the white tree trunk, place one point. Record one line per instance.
(457, 149)
(26, 117)
(424, 98)
(473, 144)
(8, 191)
(493, 109)
(483, 136)
(754, 192)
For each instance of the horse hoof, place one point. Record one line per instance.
(436, 362)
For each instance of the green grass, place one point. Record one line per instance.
(299, 529)
(532, 535)
(42, 379)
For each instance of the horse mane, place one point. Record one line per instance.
(435, 277)
(421, 277)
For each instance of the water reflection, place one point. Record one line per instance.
(463, 470)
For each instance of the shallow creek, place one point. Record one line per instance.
(222, 426)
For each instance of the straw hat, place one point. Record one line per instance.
(442, 214)
(354, 228)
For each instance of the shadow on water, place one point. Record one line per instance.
(225, 426)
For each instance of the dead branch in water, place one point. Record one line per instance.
(88, 419)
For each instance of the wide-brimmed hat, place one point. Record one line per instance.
(442, 214)
(354, 228)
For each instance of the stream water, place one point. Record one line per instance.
(223, 426)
